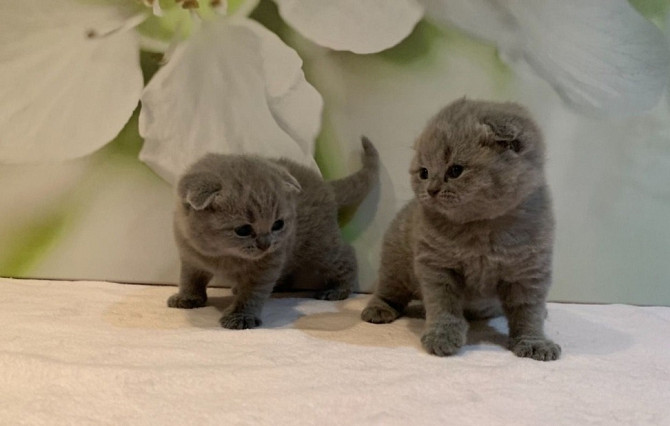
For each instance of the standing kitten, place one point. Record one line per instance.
(259, 221)
(479, 233)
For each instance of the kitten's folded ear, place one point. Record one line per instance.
(290, 182)
(198, 189)
(506, 131)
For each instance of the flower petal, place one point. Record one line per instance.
(294, 103)
(598, 54)
(485, 19)
(229, 89)
(359, 26)
(75, 77)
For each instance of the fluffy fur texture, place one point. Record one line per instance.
(260, 222)
(478, 236)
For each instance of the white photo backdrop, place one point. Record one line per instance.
(104, 103)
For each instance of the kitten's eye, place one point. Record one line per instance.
(454, 171)
(244, 230)
(279, 224)
(423, 173)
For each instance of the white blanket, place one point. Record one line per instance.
(105, 353)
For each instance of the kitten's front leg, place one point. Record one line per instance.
(192, 288)
(525, 308)
(250, 296)
(446, 328)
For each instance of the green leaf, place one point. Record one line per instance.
(654, 10)
(30, 242)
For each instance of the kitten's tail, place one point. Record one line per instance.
(351, 190)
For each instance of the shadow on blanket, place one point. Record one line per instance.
(578, 331)
(564, 320)
(346, 326)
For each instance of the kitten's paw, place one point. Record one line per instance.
(333, 294)
(185, 301)
(443, 341)
(536, 348)
(379, 314)
(239, 321)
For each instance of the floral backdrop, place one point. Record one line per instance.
(105, 102)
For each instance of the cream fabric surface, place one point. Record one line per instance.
(106, 353)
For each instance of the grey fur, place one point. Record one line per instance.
(483, 240)
(351, 190)
(220, 193)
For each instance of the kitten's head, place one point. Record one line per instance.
(234, 205)
(477, 160)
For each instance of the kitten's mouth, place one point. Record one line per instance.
(451, 196)
(256, 254)
(444, 199)
(246, 254)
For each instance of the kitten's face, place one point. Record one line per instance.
(468, 167)
(249, 214)
(246, 230)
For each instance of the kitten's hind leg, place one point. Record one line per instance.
(192, 288)
(396, 286)
(340, 273)
(389, 301)
(379, 311)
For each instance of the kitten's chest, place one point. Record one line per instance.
(477, 259)
(479, 246)
(475, 254)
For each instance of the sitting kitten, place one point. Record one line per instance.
(479, 233)
(259, 221)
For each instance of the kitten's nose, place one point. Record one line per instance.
(433, 192)
(263, 242)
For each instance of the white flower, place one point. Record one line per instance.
(71, 74)
(599, 55)
(360, 26)
(70, 77)
(233, 87)
(236, 87)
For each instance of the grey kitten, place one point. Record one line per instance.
(478, 236)
(260, 222)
